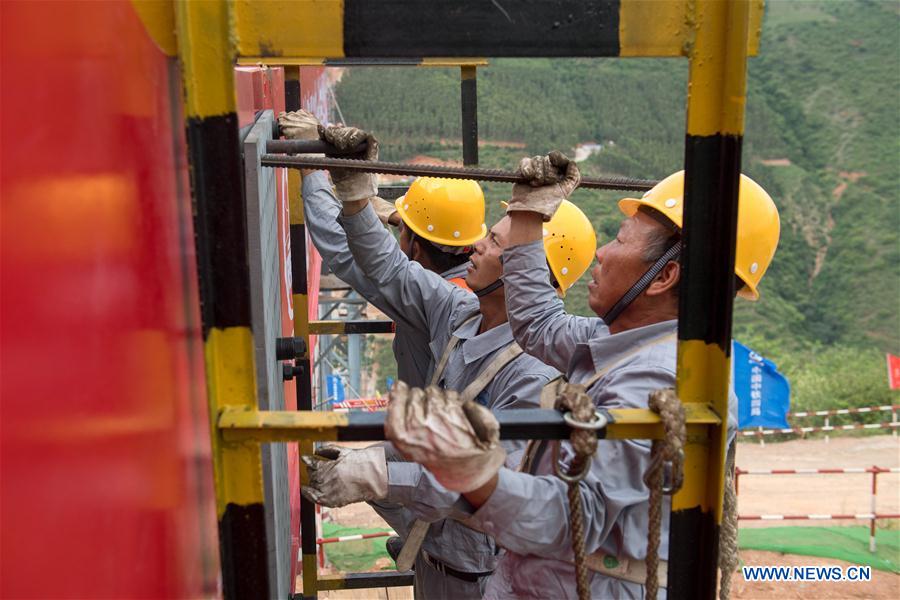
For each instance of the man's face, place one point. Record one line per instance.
(486, 268)
(620, 263)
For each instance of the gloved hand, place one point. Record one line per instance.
(351, 186)
(458, 442)
(340, 476)
(386, 211)
(299, 125)
(551, 179)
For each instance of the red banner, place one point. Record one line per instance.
(893, 364)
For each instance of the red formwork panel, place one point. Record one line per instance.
(106, 469)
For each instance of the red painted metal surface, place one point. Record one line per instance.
(106, 473)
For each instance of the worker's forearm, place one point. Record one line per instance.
(354, 206)
(525, 227)
(479, 496)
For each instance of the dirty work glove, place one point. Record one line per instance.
(350, 186)
(298, 125)
(341, 476)
(551, 179)
(458, 442)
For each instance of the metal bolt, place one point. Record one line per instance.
(289, 348)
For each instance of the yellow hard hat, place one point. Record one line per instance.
(758, 228)
(570, 244)
(444, 211)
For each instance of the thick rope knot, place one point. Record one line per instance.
(667, 452)
(574, 399)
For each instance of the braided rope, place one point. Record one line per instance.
(728, 534)
(669, 450)
(584, 442)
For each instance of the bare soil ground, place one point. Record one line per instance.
(771, 494)
(882, 585)
(818, 494)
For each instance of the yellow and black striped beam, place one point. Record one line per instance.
(715, 122)
(422, 29)
(240, 425)
(350, 327)
(275, 61)
(206, 56)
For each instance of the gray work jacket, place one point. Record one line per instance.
(321, 209)
(439, 309)
(528, 513)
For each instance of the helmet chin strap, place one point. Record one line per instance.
(642, 284)
(487, 290)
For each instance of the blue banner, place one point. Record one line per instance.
(764, 394)
(335, 388)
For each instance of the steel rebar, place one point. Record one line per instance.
(450, 172)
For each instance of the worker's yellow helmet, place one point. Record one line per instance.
(758, 228)
(444, 211)
(570, 244)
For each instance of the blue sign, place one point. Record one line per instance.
(764, 394)
(335, 388)
(389, 381)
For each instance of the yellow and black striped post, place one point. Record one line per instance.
(207, 56)
(715, 122)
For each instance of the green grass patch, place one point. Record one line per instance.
(359, 555)
(850, 544)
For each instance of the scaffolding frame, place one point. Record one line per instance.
(716, 36)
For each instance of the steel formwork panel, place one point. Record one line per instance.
(266, 268)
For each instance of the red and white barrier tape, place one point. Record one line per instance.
(367, 404)
(741, 471)
(353, 538)
(845, 411)
(827, 428)
(861, 517)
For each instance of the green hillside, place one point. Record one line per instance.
(822, 136)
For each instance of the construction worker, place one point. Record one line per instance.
(453, 209)
(621, 357)
(476, 357)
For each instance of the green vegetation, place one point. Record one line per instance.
(850, 544)
(822, 136)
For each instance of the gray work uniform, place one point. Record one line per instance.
(528, 513)
(321, 209)
(439, 310)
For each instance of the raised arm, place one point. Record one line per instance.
(404, 286)
(321, 210)
(537, 316)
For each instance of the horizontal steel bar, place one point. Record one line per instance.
(390, 168)
(277, 61)
(309, 147)
(350, 327)
(392, 192)
(519, 424)
(358, 581)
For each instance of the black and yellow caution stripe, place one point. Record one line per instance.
(215, 165)
(715, 121)
(283, 30)
(240, 425)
